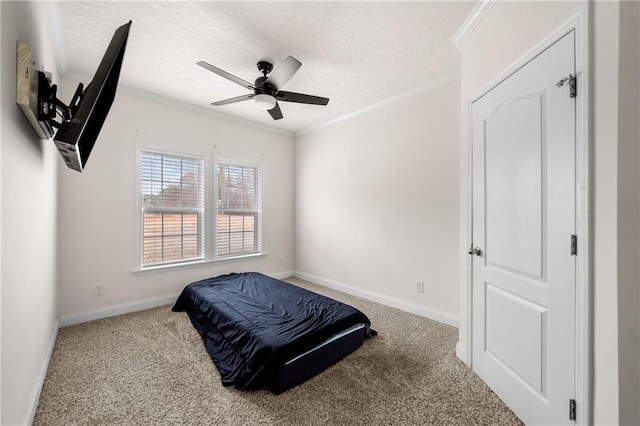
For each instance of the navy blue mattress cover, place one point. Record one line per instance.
(251, 324)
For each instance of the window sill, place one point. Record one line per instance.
(195, 264)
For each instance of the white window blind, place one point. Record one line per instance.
(239, 210)
(172, 208)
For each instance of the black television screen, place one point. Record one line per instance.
(77, 135)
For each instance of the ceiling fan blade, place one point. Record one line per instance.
(284, 72)
(233, 100)
(226, 75)
(275, 112)
(301, 98)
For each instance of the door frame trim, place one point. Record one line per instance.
(579, 23)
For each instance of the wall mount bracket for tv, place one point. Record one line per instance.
(80, 121)
(49, 106)
(27, 81)
(37, 97)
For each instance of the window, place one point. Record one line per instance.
(172, 208)
(239, 209)
(193, 210)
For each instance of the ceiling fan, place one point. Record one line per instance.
(266, 89)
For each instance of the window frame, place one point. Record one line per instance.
(201, 233)
(260, 209)
(210, 212)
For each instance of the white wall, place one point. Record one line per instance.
(507, 32)
(377, 201)
(605, 194)
(629, 213)
(28, 224)
(97, 211)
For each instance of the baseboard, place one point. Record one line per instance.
(381, 298)
(35, 394)
(282, 275)
(461, 353)
(123, 308)
(138, 305)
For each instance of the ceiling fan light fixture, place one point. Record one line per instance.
(264, 101)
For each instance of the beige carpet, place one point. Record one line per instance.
(150, 367)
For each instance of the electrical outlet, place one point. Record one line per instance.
(420, 287)
(98, 290)
(281, 260)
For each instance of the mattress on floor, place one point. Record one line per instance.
(263, 333)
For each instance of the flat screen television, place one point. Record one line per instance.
(83, 118)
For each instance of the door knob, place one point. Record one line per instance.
(474, 250)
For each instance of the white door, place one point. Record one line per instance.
(523, 273)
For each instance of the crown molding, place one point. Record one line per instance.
(180, 105)
(396, 98)
(472, 21)
(190, 107)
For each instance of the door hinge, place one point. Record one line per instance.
(572, 409)
(573, 84)
(574, 245)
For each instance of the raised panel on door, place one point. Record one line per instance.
(519, 344)
(514, 173)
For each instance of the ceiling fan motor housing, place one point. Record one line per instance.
(264, 88)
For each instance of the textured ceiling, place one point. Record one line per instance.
(355, 53)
